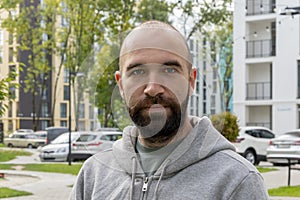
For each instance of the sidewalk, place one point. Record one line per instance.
(46, 186)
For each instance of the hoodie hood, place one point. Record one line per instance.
(203, 141)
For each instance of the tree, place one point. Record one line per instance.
(153, 10)
(197, 15)
(226, 124)
(5, 85)
(33, 28)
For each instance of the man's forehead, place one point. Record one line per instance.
(160, 38)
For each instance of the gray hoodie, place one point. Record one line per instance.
(203, 166)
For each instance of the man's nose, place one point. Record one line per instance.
(153, 89)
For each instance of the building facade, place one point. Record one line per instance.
(266, 58)
(207, 98)
(28, 107)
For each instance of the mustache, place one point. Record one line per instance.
(148, 101)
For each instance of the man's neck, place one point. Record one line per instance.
(181, 133)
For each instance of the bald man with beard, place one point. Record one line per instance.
(166, 154)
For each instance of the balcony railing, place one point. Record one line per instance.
(259, 91)
(260, 48)
(260, 7)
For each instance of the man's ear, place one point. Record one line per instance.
(193, 77)
(118, 78)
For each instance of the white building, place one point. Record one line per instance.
(266, 59)
(206, 99)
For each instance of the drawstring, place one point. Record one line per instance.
(133, 177)
(160, 177)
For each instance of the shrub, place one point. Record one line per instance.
(226, 124)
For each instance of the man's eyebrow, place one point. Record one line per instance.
(173, 63)
(131, 66)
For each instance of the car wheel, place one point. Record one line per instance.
(10, 145)
(251, 157)
(29, 146)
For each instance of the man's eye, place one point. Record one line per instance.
(138, 72)
(170, 70)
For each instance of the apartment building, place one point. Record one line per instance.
(207, 98)
(266, 58)
(20, 113)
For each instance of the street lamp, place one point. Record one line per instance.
(72, 75)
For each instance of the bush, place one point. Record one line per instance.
(226, 124)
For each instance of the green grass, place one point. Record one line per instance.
(6, 155)
(55, 168)
(7, 192)
(288, 191)
(2, 145)
(265, 169)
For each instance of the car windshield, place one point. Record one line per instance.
(294, 134)
(64, 138)
(86, 138)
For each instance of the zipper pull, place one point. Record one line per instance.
(145, 185)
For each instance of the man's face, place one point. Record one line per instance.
(155, 85)
(155, 81)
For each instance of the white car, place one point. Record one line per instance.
(252, 143)
(284, 147)
(58, 149)
(90, 143)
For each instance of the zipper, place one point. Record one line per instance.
(145, 185)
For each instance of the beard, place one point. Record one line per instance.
(158, 127)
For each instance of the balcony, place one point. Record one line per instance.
(260, 48)
(258, 91)
(260, 7)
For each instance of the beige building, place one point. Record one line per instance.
(20, 113)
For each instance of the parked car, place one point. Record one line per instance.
(90, 143)
(286, 145)
(25, 139)
(58, 149)
(252, 143)
(54, 132)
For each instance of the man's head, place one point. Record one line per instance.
(155, 79)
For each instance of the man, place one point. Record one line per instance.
(166, 154)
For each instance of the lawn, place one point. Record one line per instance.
(288, 191)
(6, 155)
(265, 169)
(7, 192)
(55, 168)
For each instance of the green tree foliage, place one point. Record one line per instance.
(226, 124)
(154, 10)
(198, 15)
(34, 29)
(5, 96)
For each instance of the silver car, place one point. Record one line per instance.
(58, 149)
(90, 143)
(284, 147)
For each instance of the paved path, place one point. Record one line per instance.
(44, 186)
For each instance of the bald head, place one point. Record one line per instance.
(156, 35)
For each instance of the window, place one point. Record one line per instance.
(213, 101)
(66, 93)
(91, 112)
(215, 87)
(63, 123)
(44, 109)
(63, 110)
(12, 91)
(10, 54)
(44, 124)
(81, 110)
(66, 75)
(12, 71)
(10, 38)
